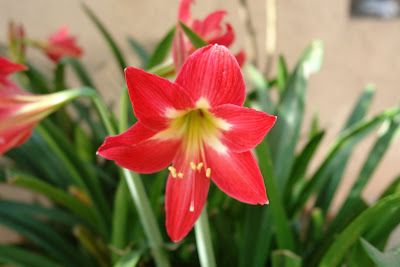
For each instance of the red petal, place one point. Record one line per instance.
(184, 14)
(248, 126)
(226, 39)
(135, 150)
(7, 67)
(179, 49)
(210, 27)
(241, 57)
(238, 175)
(185, 199)
(15, 136)
(152, 96)
(213, 73)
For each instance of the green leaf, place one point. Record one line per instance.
(79, 70)
(33, 210)
(45, 237)
(285, 258)
(107, 36)
(59, 77)
(261, 86)
(380, 233)
(257, 237)
(120, 220)
(162, 50)
(316, 226)
(282, 75)
(387, 134)
(23, 257)
(394, 187)
(57, 195)
(37, 82)
(77, 167)
(300, 166)
(285, 133)
(315, 129)
(96, 247)
(388, 259)
(325, 196)
(362, 106)
(283, 233)
(360, 225)
(130, 259)
(354, 134)
(139, 49)
(195, 39)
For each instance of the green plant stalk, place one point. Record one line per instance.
(146, 216)
(203, 240)
(139, 197)
(123, 115)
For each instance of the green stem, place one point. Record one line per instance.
(139, 197)
(123, 115)
(146, 215)
(104, 114)
(203, 240)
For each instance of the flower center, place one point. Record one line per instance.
(195, 127)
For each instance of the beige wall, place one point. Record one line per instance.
(357, 52)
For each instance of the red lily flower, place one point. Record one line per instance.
(197, 123)
(61, 45)
(20, 111)
(208, 29)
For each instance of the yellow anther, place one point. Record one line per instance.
(199, 166)
(192, 165)
(173, 171)
(208, 173)
(180, 175)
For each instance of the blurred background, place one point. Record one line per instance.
(361, 46)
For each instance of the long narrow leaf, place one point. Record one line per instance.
(300, 165)
(58, 196)
(373, 159)
(325, 196)
(284, 234)
(22, 257)
(283, 137)
(51, 214)
(388, 259)
(195, 39)
(261, 87)
(79, 70)
(139, 49)
(45, 237)
(107, 36)
(356, 133)
(162, 50)
(359, 226)
(285, 258)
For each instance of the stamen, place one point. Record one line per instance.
(208, 173)
(192, 165)
(199, 166)
(191, 206)
(173, 171)
(180, 175)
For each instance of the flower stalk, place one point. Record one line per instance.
(139, 197)
(203, 240)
